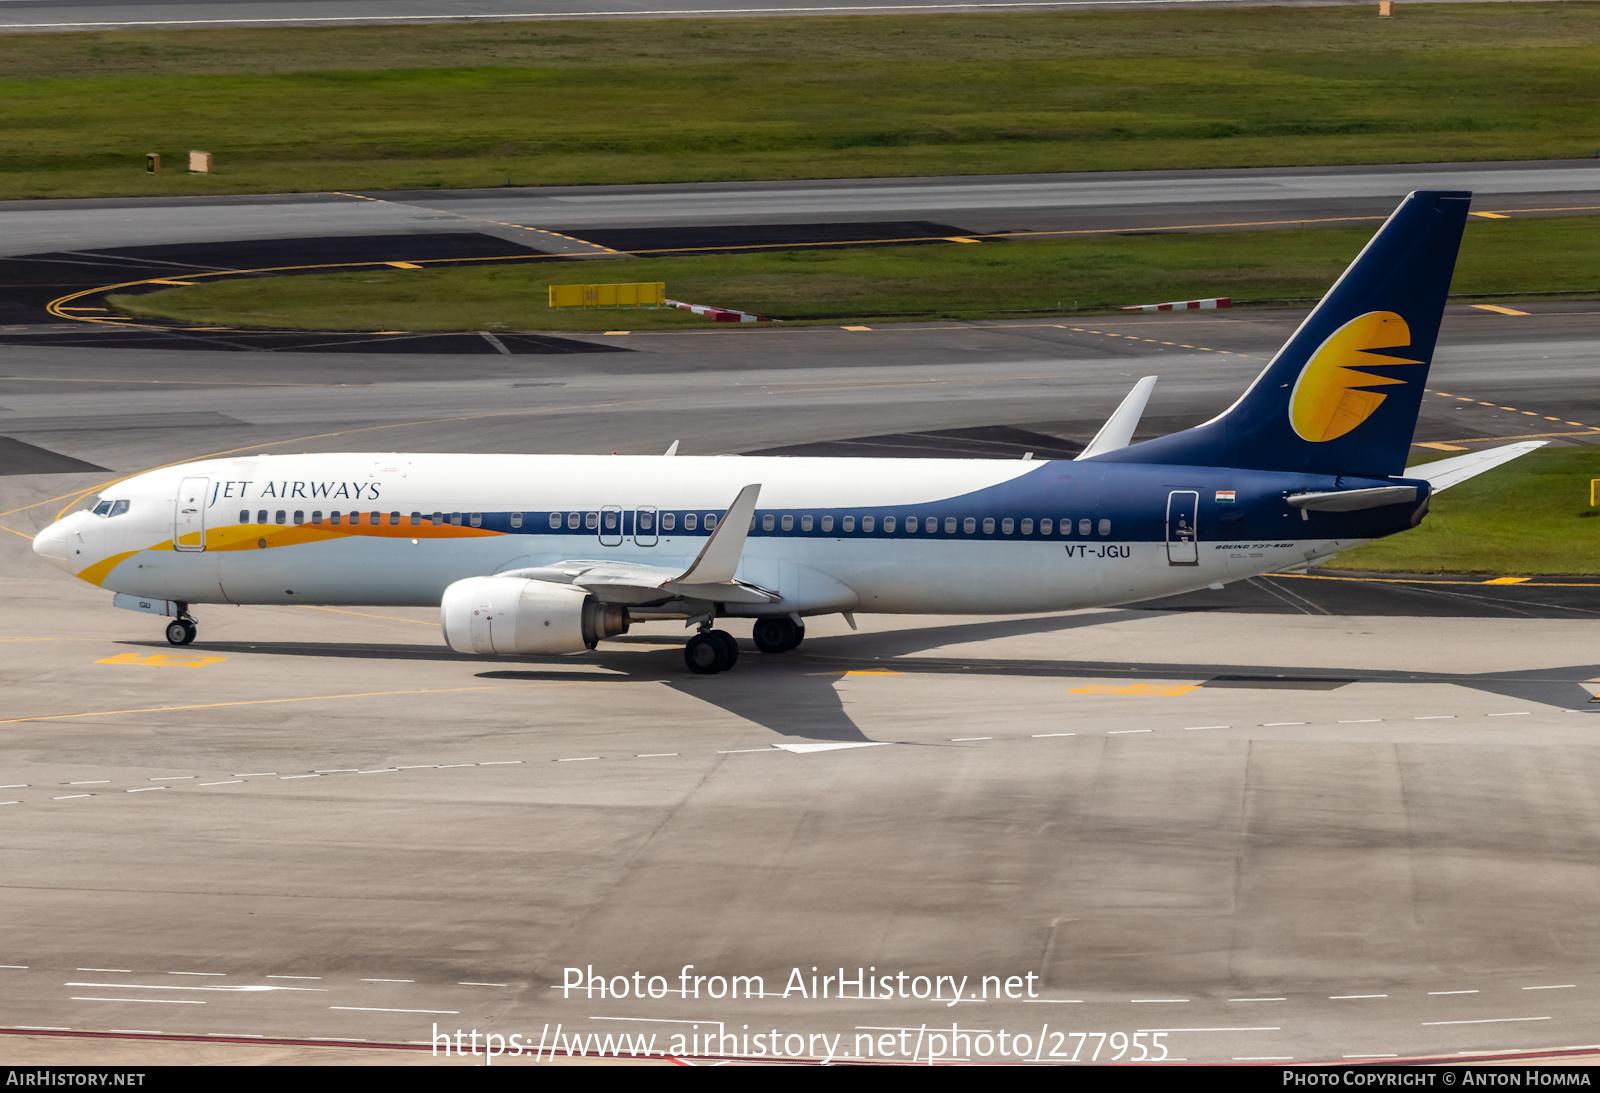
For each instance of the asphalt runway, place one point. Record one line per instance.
(1297, 819)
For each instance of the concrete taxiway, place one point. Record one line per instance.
(1307, 830)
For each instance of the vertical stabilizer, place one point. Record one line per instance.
(1341, 396)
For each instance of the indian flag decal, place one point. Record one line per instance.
(1224, 497)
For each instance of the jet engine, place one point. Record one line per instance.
(514, 615)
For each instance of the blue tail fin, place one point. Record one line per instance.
(1341, 396)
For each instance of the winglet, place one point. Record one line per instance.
(1117, 432)
(719, 558)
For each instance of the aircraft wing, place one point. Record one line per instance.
(709, 577)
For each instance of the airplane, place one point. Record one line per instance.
(530, 554)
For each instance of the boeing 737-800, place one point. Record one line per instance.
(551, 554)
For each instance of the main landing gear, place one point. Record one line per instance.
(710, 652)
(181, 630)
(778, 635)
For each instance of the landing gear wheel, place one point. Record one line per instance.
(705, 655)
(777, 635)
(181, 631)
(730, 647)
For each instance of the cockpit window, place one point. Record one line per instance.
(118, 508)
(103, 508)
(111, 508)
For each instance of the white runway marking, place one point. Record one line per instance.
(578, 759)
(501, 763)
(1436, 717)
(291, 777)
(1515, 713)
(1345, 997)
(1255, 1028)
(197, 973)
(1044, 735)
(1454, 992)
(72, 797)
(468, 984)
(807, 749)
(1123, 732)
(1552, 987)
(1487, 1021)
(656, 755)
(380, 1009)
(285, 976)
(147, 1001)
(234, 782)
(964, 739)
(172, 778)
(124, 971)
(388, 981)
(1362, 721)
(1258, 999)
(144, 789)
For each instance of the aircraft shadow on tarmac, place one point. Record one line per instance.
(794, 694)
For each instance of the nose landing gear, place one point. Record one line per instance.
(182, 630)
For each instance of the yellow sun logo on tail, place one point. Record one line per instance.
(1328, 399)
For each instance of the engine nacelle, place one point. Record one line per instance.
(489, 615)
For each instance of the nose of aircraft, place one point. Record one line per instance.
(51, 543)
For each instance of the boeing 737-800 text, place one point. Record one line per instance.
(552, 554)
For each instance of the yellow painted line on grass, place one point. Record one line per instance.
(1508, 580)
(1526, 581)
(1498, 310)
(1493, 216)
(403, 265)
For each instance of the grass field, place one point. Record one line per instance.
(1528, 517)
(298, 109)
(947, 280)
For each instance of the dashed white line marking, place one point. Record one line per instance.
(483, 984)
(964, 739)
(341, 770)
(379, 770)
(388, 981)
(502, 763)
(1552, 987)
(586, 758)
(1514, 713)
(240, 1035)
(1346, 997)
(453, 766)
(1487, 1021)
(282, 976)
(10, 802)
(1256, 1028)
(257, 774)
(44, 1028)
(417, 766)
(1258, 999)
(72, 797)
(125, 971)
(1454, 992)
(19, 785)
(1158, 999)
(291, 777)
(234, 782)
(197, 973)
(1436, 717)
(96, 782)
(144, 789)
(657, 755)
(1123, 732)
(24, 967)
(1262, 1058)
(1197, 728)
(171, 778)
(1043, 735)
(745, 751)
(379, 1009)
(341, 1039)
(1370, 1055)
(137, 1031)
(1362, 721)
(1276, 724)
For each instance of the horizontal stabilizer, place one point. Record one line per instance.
(1353, 500)
(1117, 432)
(1444, 473)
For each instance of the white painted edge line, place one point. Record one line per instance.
(1345, 997)
(1362, 721)
(147, 1001)
(501, 763)
(144, 789)
(415, 766)
(258, 774)
(1487, 1021)
(1515, 713)
(1043, 735)
(1258, 999)
(72, 797)
(470, 984)
(453, 766)
(656, 755)
(379, 770)
(1389, 1055)
(137, 1031)
(44, 1028)
(388, 981)
(1254, 1028)
(173, 778)
(964, 739)
(349, 1039)
(744, 751)
(1158, 999)
(586, 758)
(380, 1009)
(124, 971)
(1124, 732)
(1436, 717)
(1454, 992)
(339, 770)
(233, 782)
(1276, 724)
(282, 976)
(240, 1035)
(1552, 987)
(290, 777)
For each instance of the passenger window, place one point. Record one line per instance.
(911, 525)
(316, 517)
(1066, 525)
(988, 525)
(690, 520)
(299, 517)
(261, 516)
(611, 521)
(1105, 527)
(416, 519)
(244, 515)
(437, 519)
(867, 523)
(888, 524)
(711, 521)
(805, 523)
(455, 519)
(1006, 525)
(374, 518)
(969, 525)
(555, 520)
(572, 521)
(849, 523)
(1083, 526)
(103, 508)
(1027, 527)
(827, 523)
(669, 520)
(949, 525)
(476, 519)
(394, 519)
(591, 520)
(516, 519)
(1045, 527)
(646, 521)
(333, 518)
(767, 522)
(788, 523)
